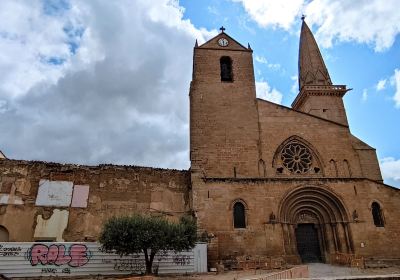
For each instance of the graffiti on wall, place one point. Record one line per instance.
(23, 259)
(10, 251)
(132, 265)
(75, 256)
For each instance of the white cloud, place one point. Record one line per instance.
(373, 22)
(390, 168)
(381, 85)
(32, 42)
(264, 91)
(273, 13)
(263, 60)
(96, 81)
(395, 81)
(295, 86)
(364, 95)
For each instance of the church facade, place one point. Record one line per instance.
(265, 180)
(278, 181)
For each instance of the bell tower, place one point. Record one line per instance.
(317, 96)
(223, 112)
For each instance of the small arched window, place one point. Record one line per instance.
(226, 69)
(4, 236)
(377, 214)
(239, 215)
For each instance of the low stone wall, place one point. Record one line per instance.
(292, 273)
(351, 260)
(254, 262)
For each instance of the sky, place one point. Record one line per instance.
(93, 82)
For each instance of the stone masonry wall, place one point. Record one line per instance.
(332, 142)
(223, 115)
(48, 201)
(214, 211)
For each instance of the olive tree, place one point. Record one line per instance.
(148, 235)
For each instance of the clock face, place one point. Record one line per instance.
(223, 42)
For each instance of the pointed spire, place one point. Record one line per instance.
(312, 69)
(248, 46)
(196, 44)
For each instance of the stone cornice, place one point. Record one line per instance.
(320, 90)
(311, 180)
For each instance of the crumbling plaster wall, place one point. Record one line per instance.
(31, 193)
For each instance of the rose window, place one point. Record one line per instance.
(296, 158)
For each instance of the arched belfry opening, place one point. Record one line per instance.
(315, 224)
(226, 69)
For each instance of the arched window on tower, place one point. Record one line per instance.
(377, 214)
(239, 215)
(226, 69)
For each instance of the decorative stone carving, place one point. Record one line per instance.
(306, 218)
(296, 158)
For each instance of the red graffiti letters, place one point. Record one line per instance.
(77, 255)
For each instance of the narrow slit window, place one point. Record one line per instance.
(226, 69)
(377, 214)
(239, 217)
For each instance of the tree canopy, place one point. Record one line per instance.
(148, 235)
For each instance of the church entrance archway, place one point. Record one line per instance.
(308, 243)
(315, 224)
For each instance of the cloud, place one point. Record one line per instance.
(263, 60)
(390, 168)
(364, 95)
(372, 22)
(35, 45)
(381, 85)
(96, 81)
(273, 13)
(264, 91)
(395, 81)
(295, 85)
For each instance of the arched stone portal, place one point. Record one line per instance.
(308, 210)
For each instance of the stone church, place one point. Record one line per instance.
(266, 181)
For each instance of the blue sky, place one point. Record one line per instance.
(100, 81)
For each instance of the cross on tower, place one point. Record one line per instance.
(222, 29)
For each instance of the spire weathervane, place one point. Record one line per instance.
(303, 16)
(222, 29)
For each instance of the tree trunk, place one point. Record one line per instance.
(148, 264)
(149, 260)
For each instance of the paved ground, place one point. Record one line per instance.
(317, 271)
(321, 270)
